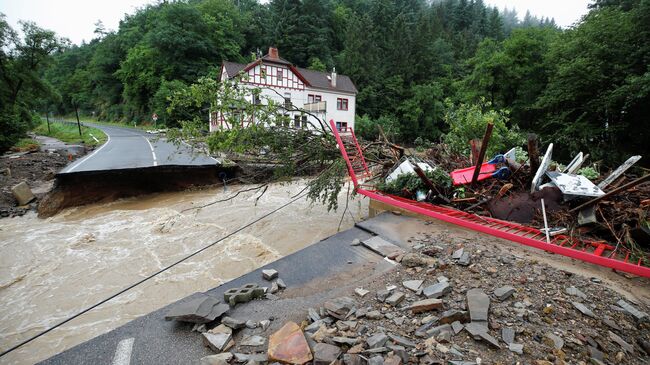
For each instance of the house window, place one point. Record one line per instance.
(296, 121)
(342, 104)
(342, 126)
(304, 121)
(312, 98)
(263, 72)
(287, 100)
(256, 99)
(279, 74)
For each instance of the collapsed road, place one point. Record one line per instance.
(128, 148)
(131, 163)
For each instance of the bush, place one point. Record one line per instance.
(468, 121)
(14, 122)
(368, 129)
(413, 183)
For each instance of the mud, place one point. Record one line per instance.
(75, 189)
(37, 169)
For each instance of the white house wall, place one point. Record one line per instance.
(292, 86)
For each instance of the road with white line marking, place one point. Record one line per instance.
(128, 148)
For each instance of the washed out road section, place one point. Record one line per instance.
(130, 148)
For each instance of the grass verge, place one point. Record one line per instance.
(69, 133)
(142, 127)
(25, 144)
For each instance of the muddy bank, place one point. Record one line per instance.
(75, 189)
(37, 169)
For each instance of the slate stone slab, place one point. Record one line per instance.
(437, 290)
(572, 290)
(457, 327)
(381, 246)
(504, 292)
(508, 335)
(325, 354)
(478, 330)
(402, 341)
(478, 304)
(453, 315)
(435, 331)
(517, 348)
(621, 342)
(465, 259)
(395, 299)
(413, 285)
(376, 360)
(216, 341)
(631, 310)
(233, 323)
(425, 305)
(583, 309)
(340, 307)
(254, 340)
(202, 309)
(269, 274)
(377, 340)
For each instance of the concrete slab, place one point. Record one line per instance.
(397, 229)
(379, 245)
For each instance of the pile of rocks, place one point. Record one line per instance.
(446, 304)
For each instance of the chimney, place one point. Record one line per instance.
(333, 77)
(273, 53)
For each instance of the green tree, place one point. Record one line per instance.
(598, 96)
(468, 121)
(422, 113)
(21, 61)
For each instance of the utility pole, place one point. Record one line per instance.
(76, 111)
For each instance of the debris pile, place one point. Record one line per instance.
(524, 188)
(446, 303)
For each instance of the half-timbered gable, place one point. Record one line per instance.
(324, 95)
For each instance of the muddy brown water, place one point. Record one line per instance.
(53, 268)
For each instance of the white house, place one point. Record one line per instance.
(326, 95)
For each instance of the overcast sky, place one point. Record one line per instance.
(75, 19)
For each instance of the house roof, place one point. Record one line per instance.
(316, 79)
(321, 80)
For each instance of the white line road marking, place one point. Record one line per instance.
(155, 161)
(123, 352)
(192, 150)
(92, 154)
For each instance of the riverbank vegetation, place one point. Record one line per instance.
(415, 64)
(69, 133)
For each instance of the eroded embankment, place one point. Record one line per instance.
(75, 189)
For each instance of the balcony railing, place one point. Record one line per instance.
(316, 107)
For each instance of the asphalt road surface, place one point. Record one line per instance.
(128, 148)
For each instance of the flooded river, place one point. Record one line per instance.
(51, 269)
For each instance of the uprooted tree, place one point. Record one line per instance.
(277, 150)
